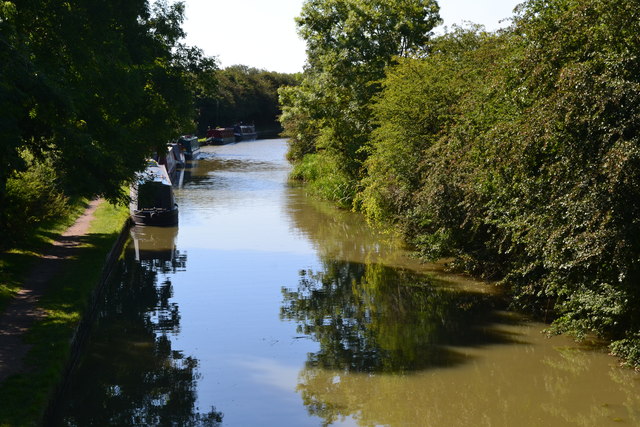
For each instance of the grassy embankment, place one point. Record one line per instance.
(24, 397)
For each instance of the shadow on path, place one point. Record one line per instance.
(23, 311)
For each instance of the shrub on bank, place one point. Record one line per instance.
(33, 196)
(325, 178)
(517, 153)
(528, 165)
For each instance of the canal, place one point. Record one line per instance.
(268, 308)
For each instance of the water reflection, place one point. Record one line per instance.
(147, 382)
(292, 313)
(374, 318)
(405, 344)
(157, 245)
(482, 395)
(399, 348)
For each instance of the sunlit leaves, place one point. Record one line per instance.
(349, 45)
(524, 162)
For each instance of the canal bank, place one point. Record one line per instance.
(42, 329)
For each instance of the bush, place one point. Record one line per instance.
(324, 178)
(525, 160)
(33, 196)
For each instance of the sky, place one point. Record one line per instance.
(262, 33)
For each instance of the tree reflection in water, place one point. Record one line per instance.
(374, 319)
(129, 374)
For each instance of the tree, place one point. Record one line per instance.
(425, 168)
(92, 87)
(580, 86)
(524, 162)
(349, 45)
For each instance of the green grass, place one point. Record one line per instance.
(323, 178)
(24, 397)
(16, 262)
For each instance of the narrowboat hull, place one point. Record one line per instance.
(156, 217)
(245, 133)
(189, 146)
(221, 141)
(220, 136)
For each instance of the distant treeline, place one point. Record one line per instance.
(515, 152)
(244, 94)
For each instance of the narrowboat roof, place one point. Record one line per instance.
(154, 172)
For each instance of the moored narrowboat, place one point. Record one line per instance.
(190, 146)
(152, 199)
(245, 132)
(173, 159)
(220, 136)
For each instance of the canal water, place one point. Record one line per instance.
(268, 308)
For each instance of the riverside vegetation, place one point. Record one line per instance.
(89, 90)
(25, 396)
(515, 152)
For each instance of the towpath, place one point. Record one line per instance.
(23, 311)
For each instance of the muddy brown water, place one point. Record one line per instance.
(268, 308)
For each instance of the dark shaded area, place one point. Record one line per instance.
(373, 318)
(32, 361)
(88, 93)
(130, 375)
(244, 95)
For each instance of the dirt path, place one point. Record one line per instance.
(23, 310)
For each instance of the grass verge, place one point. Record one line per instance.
(15, 263)
(24, 397)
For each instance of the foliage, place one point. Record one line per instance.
(423, 172)
(518, 153)
(93, 88)
(329, 110)
(325, 178)
(32, 196)
(301, 125)
(583, 79)
(243, 95)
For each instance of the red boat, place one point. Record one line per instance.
(220, 136)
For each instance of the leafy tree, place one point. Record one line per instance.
(426, 169)
(93, 87)
(579, 165)
(349, 45)
(524, 161)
